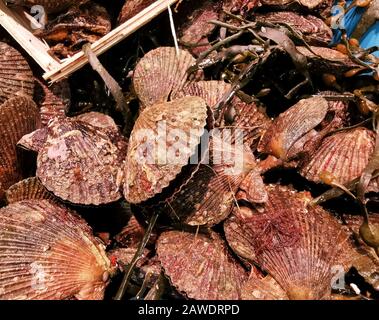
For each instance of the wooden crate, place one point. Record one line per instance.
(18, 24)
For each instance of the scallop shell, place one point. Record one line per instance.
(49, 252)
(35, 140)
(124, 256)
(152, 158)
(16, 77)
(248, 118)
(81, 163)
(200, 266)
(313, 29)
(327, 60)
(291, 125)
(252, 188)
(53, 100)
(211, 91)
(341, 157)
(28, 189)
(262, 289)
(207, 196)
(131, 8)
(98, 120)
(160, 74)
(18, 116)
(297, 245)
(131, 235)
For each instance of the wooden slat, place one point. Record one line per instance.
(38, 50)
(77, 61)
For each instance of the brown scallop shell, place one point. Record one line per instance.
(16, 77)
(252, 188)
(325, 60)
(208, 196)
(291, 125)
(53, 100)
(131, 235)
(150, 166)
(49, 252)
(211, 91)
(28, 189)
(197, 27)
(98, 120)
(81, 163)
(296, 244)
(131, 8)
(248, 118)
(160, 74)
(18, 116)
(341, 157)
(200, 266)
(35, 140)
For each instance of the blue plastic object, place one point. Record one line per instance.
(350, 21)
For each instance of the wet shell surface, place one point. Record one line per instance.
(49, 252)
(18, 116)
(16, 77)
(160, 74)
(53, 100)
(28, 189)
(291, 125)
(341, 157)
(296, 244)
(80, 163)
(200, 266)
(163, 139)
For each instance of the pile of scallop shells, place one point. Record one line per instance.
(250, 171)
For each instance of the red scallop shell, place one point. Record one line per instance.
(341, 157)
(160, 74)
(296, 244)
(18, 116)
(152, 159)
(48, 253)
(313, 29)
(16, 77)
(28, 189)
(200, 266)
(291, 125)
(81, 163)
